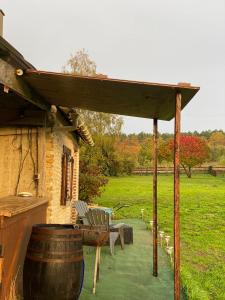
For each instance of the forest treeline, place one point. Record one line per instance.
(120, 154)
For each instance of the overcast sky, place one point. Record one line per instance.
(151, 40)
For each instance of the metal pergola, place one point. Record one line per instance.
(132, 98)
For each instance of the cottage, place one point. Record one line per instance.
(43, 129)
(39, 163)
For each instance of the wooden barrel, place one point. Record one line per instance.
(53, 267)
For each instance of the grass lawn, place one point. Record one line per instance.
(202, 224)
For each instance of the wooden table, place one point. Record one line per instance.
(17, 215)
(14, 205)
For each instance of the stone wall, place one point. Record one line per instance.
(18, 161)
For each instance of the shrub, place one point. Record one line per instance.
(91, 181)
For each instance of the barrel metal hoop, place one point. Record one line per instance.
(33, 250)
(52, 260)
(55, 231)
(47, 238)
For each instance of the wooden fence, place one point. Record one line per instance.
(213, 170)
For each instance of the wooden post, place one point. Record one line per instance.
(97, 255)
(177, 197)
(155, 243)
(41, 157)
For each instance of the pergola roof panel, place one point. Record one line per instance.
(131, 98)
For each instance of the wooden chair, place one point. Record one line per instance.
(99, 220)
(98, 217)
(82, 208)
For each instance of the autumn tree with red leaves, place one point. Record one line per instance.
(193, 151)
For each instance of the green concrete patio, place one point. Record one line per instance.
(128, 274)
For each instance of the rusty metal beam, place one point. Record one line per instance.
(177, 197)
(155, 158)
(9, 79)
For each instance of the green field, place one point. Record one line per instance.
(202, 224)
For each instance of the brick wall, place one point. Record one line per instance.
(23, 153)
(54, 150)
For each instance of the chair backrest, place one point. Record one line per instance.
(98, 217)
(81, 208)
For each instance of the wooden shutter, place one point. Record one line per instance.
(64, 177)
(67, 176)
(71, 177)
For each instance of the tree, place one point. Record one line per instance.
(217, 146)
(108, 160)
(164, 152)
(97, 161)
(194, 151)
(101, 123)
(217, 138)
(91, 181)
(80, 64)
(145, 153)
(98, 122)
(127, 154)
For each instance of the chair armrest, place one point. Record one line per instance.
(116, 226)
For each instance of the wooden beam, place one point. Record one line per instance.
(41, 155)
(27, 118)
(177, 197)
(155, 154)
(9, 78)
